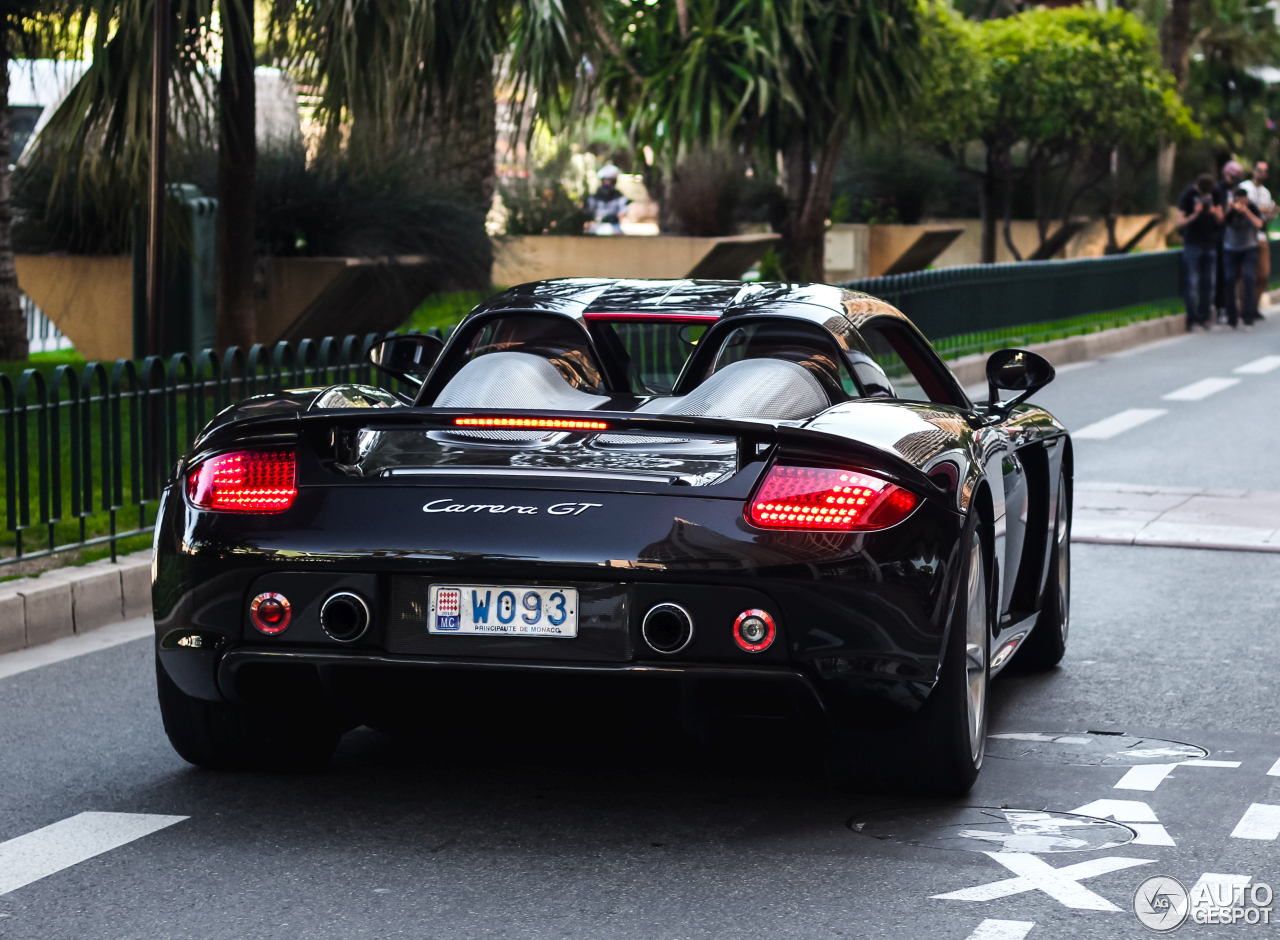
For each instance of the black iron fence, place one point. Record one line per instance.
(985, 297)
(87, 450)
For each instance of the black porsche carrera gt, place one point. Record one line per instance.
(765, 496)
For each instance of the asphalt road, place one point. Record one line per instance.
(568, 829)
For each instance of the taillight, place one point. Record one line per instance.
(827, 501)
(245, 481)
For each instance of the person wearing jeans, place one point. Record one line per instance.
(1199, 215)
(1240, 256)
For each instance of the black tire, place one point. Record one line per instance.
(940, 750)
(222, 736)
(1047, 644)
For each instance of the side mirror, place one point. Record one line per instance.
(1016, 370)
(408, 357)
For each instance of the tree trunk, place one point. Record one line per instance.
(1175, 55)
(237, 163)
(988, 194)
(1164, 172)
(1175, 41)
(807, 179)
(458, 144)
(13, 325)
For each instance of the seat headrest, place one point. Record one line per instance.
(756, 388)
(513, 380)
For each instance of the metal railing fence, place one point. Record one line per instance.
(87, 450)
(985, 297)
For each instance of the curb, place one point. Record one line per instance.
(69, 601)
(972, 370)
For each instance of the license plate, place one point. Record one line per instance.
(503, 610)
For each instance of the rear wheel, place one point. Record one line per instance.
(222, 736)
(940, 750)
(1047, 644)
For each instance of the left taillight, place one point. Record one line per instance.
(245, 481)
(826, 500)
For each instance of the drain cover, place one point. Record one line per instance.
(1089, 747)
(987, 829)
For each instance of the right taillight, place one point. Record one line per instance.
(245, 481)
(825, 500)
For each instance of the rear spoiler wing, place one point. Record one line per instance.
(329, 431)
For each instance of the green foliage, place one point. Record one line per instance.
(445, 310)
(880, 212)
(770, 267)
(1057, 80)
(332, 208)
(914, 179)
(757, 72)
(540, 204)
(1233, 106)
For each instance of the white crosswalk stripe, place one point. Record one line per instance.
(47, 851)
(1200, 390)
(1259, 366)
(1126, 420)
(1150, 776)
(1260, 821)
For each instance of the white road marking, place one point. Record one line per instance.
(1144, 777)
(1137, 815)
(1200, 390)
(1275, 770)
(1150, 776)
(1258, 366)
(1126, 420)
(1061, 884)
(69, 842)
(1260, 821)
(1002, 930)
(72, 646)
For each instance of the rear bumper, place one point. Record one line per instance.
(232, 661)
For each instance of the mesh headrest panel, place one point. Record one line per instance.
(756, 388)
(519, 381)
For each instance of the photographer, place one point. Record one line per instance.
(1200, 215)
(1240, 256)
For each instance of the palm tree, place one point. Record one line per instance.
(790, 81)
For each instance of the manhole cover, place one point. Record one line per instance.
(1089, 747)
(987, 829)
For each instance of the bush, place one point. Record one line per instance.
(887, 177)
(539, 203)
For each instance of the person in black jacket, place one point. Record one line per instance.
(1200, 216)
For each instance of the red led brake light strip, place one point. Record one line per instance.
(566, 424)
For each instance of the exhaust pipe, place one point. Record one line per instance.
(344, 616)
(667, 628)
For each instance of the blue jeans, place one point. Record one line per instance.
(1241, 265)
(1199, 271)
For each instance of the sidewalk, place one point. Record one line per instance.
(1176, 516)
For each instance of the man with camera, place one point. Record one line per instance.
(1241, 226)
(1200, 216)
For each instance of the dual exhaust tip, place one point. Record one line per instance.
(668, 628)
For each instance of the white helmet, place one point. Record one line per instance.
(608, 171)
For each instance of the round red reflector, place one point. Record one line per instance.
(754, 631)
(270, 613)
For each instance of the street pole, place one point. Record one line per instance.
(155, 220)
